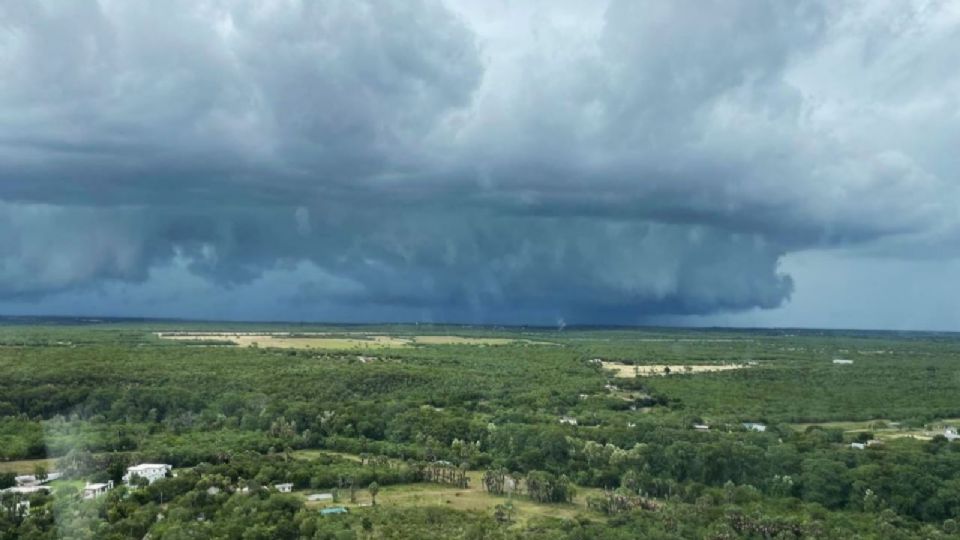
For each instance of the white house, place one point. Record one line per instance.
(569, 420)
(858, 445)
(753, 426)
(92, 491)
(842, 361)
(31, 480)
(701, 427)
(951, 433)
(284, 488)
(150, 471)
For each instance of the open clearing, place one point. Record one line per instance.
(653, 370)
(285, 340)
(472, 498)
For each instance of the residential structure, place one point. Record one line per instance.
(31, 480)
(284, 488)
(842, 361)
(150, 471)
(753, 426)
(92, 491)
(569, 420)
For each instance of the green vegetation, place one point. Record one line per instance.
(456, 438)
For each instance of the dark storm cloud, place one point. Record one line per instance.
(422, 161)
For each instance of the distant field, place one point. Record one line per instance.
(653, 370)
(26, 466)
(321, 341)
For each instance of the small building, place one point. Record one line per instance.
(284, 488)
(584, 396)
(31, 480)
(569, 420)
(26, 480)
(753, 426)
(858, 445)
(92, 491)
(951, 433)
(842, 361)
(213, 490)
(320, 497)
(701, 427)
(149, 471)
(333, 510)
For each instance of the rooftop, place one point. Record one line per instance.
(333, 510)
(147, 466)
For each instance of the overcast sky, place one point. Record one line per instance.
(630, 162)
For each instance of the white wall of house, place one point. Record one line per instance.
(151, 471)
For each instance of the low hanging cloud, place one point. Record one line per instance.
(466, 162)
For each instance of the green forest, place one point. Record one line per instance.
(536, 436)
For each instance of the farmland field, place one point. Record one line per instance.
(438, 420)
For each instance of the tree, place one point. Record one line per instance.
(8, 479)
(40, 472)
(373, 488)
(825, 482)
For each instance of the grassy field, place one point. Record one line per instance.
(26, 466)
(473, 498)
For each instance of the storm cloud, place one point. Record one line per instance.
(480, 161)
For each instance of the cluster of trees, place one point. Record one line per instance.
(619, 501)
(542, 486)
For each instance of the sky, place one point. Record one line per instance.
(744, 163)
